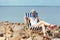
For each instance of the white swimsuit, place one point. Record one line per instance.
(33, 21)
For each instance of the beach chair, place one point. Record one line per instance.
(28, 15)
(34, 30)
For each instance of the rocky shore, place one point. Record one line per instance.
(19, 31)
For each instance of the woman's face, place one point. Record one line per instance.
(33, 14)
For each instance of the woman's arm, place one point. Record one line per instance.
(39, 20)
(27, 21)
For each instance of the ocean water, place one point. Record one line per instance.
(50, 14)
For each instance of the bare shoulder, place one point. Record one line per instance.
(39, 19)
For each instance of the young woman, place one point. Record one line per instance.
(34, 21)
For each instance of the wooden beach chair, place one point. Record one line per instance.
(28, 15)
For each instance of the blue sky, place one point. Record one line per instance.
(13, 10)
(29, 2)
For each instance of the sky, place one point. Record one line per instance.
(13, 10)
(29, 2)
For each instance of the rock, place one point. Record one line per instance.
(29, 38)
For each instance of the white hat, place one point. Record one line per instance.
(33, 10)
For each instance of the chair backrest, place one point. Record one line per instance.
(29, 15)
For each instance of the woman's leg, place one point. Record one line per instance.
(43, 29)
(42, 22)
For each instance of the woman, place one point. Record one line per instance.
(34, 21)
